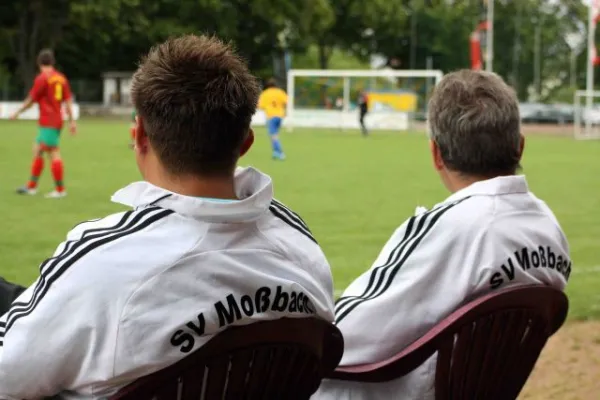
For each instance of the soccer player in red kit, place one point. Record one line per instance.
(50, 90)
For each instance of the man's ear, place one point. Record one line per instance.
(141, 139)
(436, 156)
(248, 142)
(521, 146)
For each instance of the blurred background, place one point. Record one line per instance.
(539, 45)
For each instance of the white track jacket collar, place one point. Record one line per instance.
(254, 189)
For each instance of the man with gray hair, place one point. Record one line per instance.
(491, 233)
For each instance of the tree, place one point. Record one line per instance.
(29, 25)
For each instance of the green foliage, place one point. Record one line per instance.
(339, 59)
(93, 36)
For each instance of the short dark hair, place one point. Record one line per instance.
(474, 120)
(196, 98)
(271, 82)
(46, 58)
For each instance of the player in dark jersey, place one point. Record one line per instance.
(363, 108)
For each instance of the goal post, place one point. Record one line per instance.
(587, 115)
(327, 98)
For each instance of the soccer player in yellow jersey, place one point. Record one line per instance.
(273, 101)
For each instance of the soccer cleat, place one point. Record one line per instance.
(55, 195)
(278, 156)
(26, 191)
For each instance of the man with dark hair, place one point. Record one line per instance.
(50, 90)
(491, 233)
(363, 109)
(203, 247)
(273, 101)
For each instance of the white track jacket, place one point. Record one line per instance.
(134, 292)
(488, 236)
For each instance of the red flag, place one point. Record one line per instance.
(595, 9)
(476, 39)
(476, 62)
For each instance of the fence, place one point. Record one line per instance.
(84, 91)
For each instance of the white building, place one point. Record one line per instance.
(116, 87)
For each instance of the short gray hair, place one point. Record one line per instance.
(474, 120)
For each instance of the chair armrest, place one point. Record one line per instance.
(392, 368)
(517, 297)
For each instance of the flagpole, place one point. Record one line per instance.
(490, 36)
(590, 64)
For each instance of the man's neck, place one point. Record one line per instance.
(46, 69)
(457, 181)
(208, 187)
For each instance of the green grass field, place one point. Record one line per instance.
(352, 192)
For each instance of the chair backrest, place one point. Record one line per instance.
(280, 359)
(485, 350)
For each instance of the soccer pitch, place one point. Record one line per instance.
(353, 192)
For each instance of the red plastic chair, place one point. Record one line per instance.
(281, 359)
(485, 350)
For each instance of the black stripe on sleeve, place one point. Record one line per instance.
(136, 224)
(280, 213)
(380, 270)
(70, 246)
(411, 245)
(290, 213)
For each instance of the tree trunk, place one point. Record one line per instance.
(324, 54)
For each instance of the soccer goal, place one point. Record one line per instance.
(587, 115)
(397, 99)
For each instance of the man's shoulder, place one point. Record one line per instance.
(454, 219)
(82, 227)
(290, 234)
(121, 223)
(469, 208)
(287, 223)
(124, 239)
(60, 75)
(40, 79)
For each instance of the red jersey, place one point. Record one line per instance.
(49, 90)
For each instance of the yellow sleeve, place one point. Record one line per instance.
(261, 101)
(284, 97)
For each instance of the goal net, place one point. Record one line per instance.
(587, 115)
(329, 98)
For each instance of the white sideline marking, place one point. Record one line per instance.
(586, 270)
(576, 271)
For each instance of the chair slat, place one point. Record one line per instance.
(443, 368)
(460, 357)
(193, 383)
(216, 379)
(239, 375)
(511, 355)
(258, 370)
(287, 371)
(488, 365)
(531, 348)
(278, 360)
(479, 345)
(169, 391)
